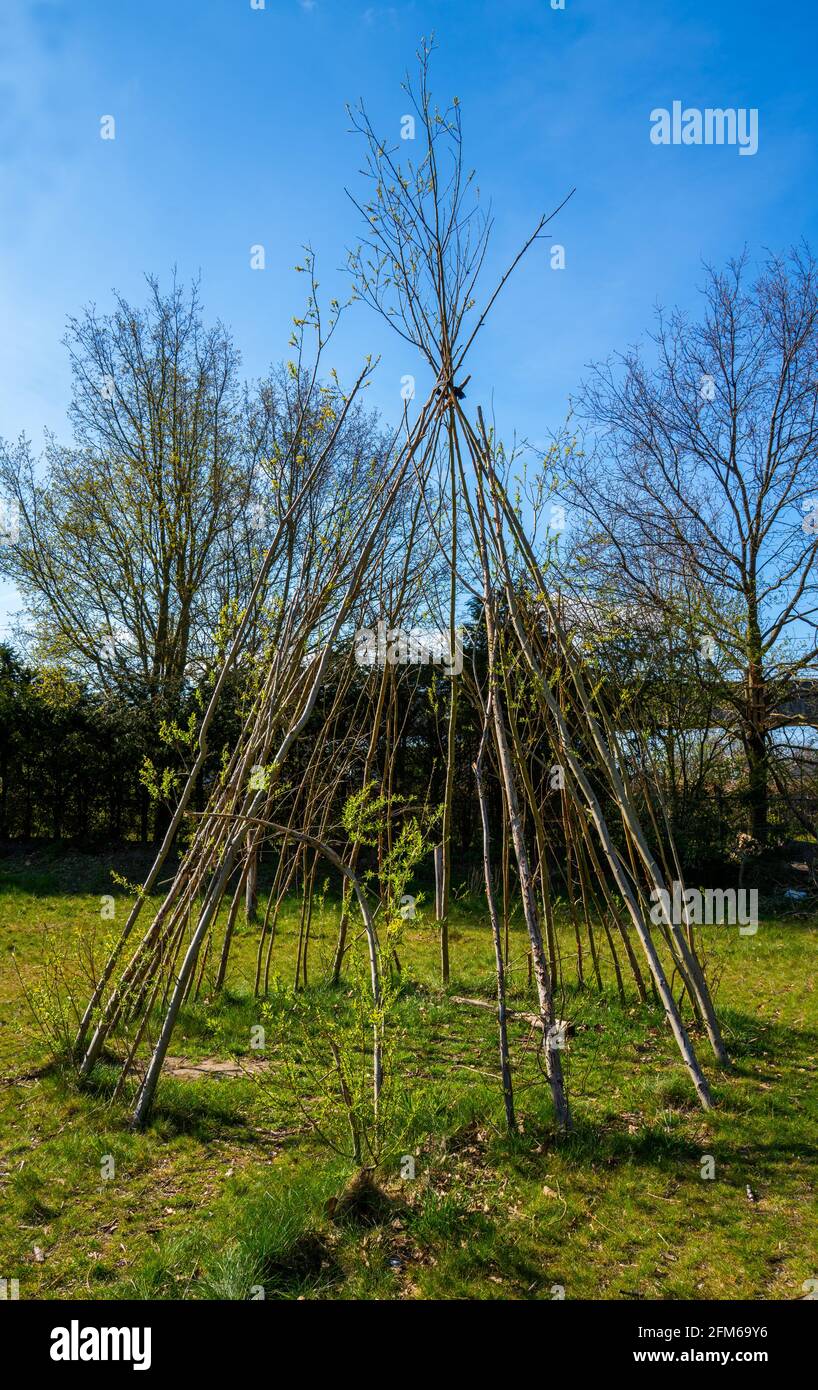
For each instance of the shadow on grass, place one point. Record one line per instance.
(747, 1036)
(204, 1109)
(651, 1147)
(308, 1267)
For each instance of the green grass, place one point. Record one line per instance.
(229, 1191)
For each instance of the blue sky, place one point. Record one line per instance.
(231, 131)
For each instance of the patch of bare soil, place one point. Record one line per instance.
(187, 1070)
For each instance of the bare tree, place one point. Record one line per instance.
(124, 540)
(698, 488)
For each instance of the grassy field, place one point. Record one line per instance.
(230, 1190)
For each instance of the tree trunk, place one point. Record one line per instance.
(756, 735)
(251, 883)
(496, 936)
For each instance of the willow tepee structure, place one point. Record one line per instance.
(332, 555)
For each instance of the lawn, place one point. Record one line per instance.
(231, 1192)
